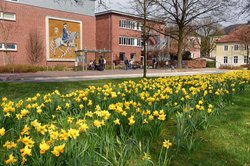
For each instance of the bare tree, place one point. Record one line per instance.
(35, 47)
(245, 7)
(100, 3)
(144, 9)
(7, 29)
(185, 15)
(206, 34)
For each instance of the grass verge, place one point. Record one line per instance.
(226, 141)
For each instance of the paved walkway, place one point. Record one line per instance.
(59, 76)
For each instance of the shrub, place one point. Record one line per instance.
(229, 67)
(211, 64)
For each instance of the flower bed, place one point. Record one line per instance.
(116, 124)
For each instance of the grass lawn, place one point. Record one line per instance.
(225, 142)
(23, 90)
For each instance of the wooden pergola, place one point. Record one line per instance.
(84, 52)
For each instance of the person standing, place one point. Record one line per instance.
(65, 36)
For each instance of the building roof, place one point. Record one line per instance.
(125, 14)
(232, 37)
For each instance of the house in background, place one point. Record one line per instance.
(230, 51)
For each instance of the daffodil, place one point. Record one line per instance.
(11, 160)
(167, 144)
(117, 122)
(43, 147)
(2, 131)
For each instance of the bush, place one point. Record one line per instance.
(231, 67)
(29, 68)
(246, 66)
(211, 64)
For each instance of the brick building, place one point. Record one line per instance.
(59, 29)
(121, 33)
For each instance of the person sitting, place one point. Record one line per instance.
(91, 65)
(101, 64)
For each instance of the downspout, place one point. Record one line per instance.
(109, 31)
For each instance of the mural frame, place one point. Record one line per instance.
(48, 42)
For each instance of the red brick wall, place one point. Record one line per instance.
(196, 63)
(104, 40)
(30, 17)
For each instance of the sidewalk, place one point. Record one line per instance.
(60, 76)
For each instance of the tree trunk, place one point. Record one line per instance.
(144, 40)
(180, 51)
(247, 54)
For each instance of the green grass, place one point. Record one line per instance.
(16, 91)
(226, 142)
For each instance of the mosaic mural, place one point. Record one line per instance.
(64, 39)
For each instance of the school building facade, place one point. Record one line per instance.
(48, 33)
(53, 30)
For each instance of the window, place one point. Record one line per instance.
(8, 46)
(127, 24)
(129, 41)
(245, 59)
(235, 59)
(12, 0)
(225, 59)
(245, 47)
(132, 56)
(236, 47)
(7, 16)
(226, 48)
(121, 56)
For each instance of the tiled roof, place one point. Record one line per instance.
(232, 37)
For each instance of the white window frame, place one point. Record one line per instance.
(11, 19)
(225, 60)
(129, 41)
(1, 44)
(225, 46)
(8, 49)
(1, 15)
(236, 46)
(16, 1)
(129, 24)
(236, 59)
(245, 59)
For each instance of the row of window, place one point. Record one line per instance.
(8, 46)
(130, 41)
(12, 0)
(235, 47)
(11, 17)
(8, 16)
(130, 24)
(235, 59)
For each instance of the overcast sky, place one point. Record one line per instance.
(124, 5)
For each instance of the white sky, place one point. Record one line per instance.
(124, 5)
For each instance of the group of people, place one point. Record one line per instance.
(97, 64)
(129, 64)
